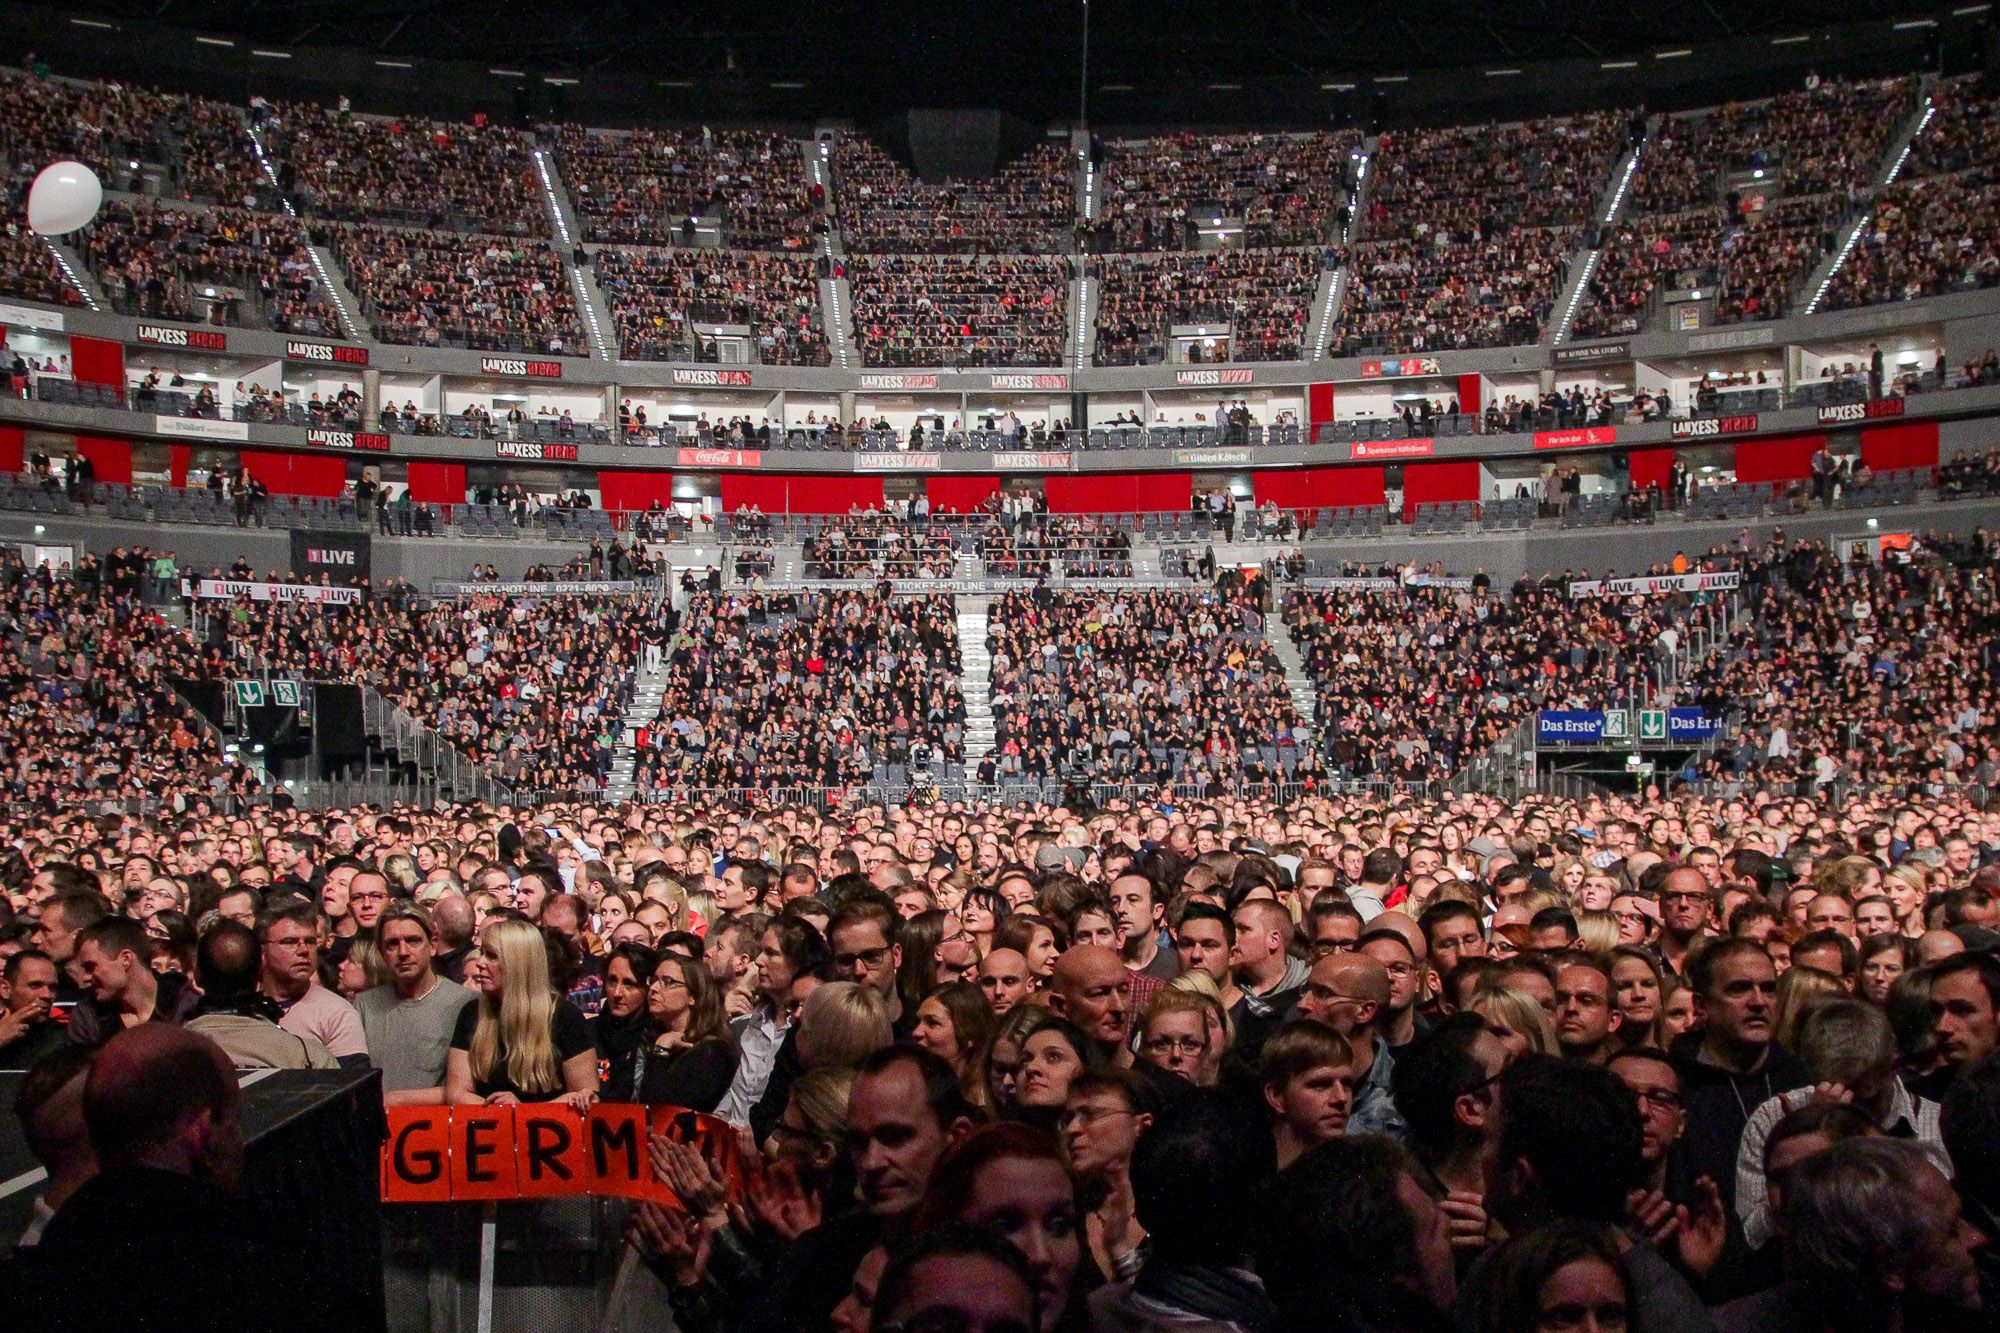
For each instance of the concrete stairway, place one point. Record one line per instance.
(1304, 697)
(644, 708)
(79, 274)
(974, 666)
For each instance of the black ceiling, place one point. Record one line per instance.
(1151, 61)
(922, 45)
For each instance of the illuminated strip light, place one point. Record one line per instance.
(604, 349)
(1624, 183)
(71, 273)
(1576, 297)
(839, 320)
(1082, 318)
(1930, 110)
(1853, 235)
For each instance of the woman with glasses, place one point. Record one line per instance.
(1101, 1125)
(688, 1058)
(1178, 1036)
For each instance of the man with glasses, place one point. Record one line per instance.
(1399, 1023)
(862, 936)
(1102, 1121)
(1335, 924)
(1684, 914)
(1349, 992)
(290, 938)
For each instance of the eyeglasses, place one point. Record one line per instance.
(1661, 1099)
(1086, 1116)
(868, 958)
(1168, 1045)
(667, 983)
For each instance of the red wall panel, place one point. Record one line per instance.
(1438, 483)
(1468, 394)
(831, 495)
(1319, 403)
(323, 475)
(1914, 444)
(1162, 492)
(631, 490)
(1320, 487)
(1788, 458)
(177, 464)
(958, 493)
(111, 458)
(751, 488)
(13, 448)
(437, 483)
(95, 361)
(1652, 467)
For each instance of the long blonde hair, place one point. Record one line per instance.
(523, 1017)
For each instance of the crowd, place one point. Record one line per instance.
(532, 688)
(1284, 189)
(200, 145)
(1471, 180)
(1414, 682)
(1027, 208)
(1862, 673)
(1137, 686)
(879, 545)
(89, 711)
(1064, 545)
(804, 689)
(406, 171)
(1931, 232)
(640, 187)
(920, 310)
(1451, 292)
(163, 263)
(657, 296)
(442, 288)
(1816, 151)
(1263, 298)
(28, 268)
(1339, 1064)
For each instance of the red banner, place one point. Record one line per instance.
(538, 1150)
(1571, 439)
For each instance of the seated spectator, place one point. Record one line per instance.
(1263, 297)
(1285, 189)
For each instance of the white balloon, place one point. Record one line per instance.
(64, 197)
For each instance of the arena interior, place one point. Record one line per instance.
(604, 610)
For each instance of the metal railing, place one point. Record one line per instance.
(443, 772)
(925, 790)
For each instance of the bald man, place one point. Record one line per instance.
(163, 1111)
(1092, 989)
(1936, 945)
(1349, 992)
(1003, 975)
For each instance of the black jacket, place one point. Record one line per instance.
(1718, 1105)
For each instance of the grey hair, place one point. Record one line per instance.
(1843, 1040)
(1853, 1215)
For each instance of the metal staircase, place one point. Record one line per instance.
(974, 668)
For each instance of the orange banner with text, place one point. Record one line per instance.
(447, 1154)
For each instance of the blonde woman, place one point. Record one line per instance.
(1516, 1018)
(518, 1041)
(840, 1023)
